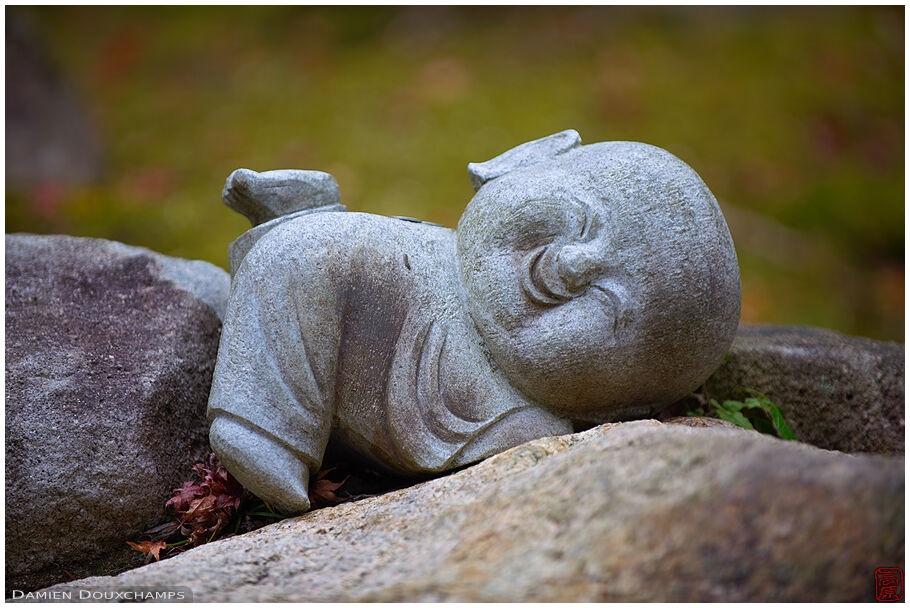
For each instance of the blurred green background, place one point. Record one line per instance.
(794, 117)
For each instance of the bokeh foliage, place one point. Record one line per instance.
(793, 116)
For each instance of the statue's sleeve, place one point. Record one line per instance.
(447, 407)
(276, 351)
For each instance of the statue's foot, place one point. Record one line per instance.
(264, 467)
(264, 196)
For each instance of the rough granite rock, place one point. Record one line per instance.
(837, 392)
(636, 511)
(109, 358)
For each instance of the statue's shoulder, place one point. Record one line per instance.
(344, 231)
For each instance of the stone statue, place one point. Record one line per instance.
(583, 284)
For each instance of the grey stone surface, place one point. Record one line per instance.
(583, 284)
(241, 246)
(524, 155)
(837, 392)
(635, 511)
(271, 198)
(261, 197)
(202, 280)
(109, 357)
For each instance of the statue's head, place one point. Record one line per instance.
(602, 278)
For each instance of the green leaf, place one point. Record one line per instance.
(736, 418)
(777, 417)
(770, 421)
(752, 402)
(733, 406)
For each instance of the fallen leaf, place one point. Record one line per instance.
(205, 507)
(323, 490)
(152, 548)
(206, 529)
(199, 507)
(184, 496)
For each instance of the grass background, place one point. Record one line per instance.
(794, 117)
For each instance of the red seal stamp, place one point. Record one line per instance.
(889, 584)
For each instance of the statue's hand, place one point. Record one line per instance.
(264, 196)
(265, 467)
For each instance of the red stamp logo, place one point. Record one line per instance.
(889, 584)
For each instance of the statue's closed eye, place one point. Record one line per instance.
(539, 279)
(555, 274)
(565, 249)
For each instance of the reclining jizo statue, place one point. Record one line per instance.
(584, 284)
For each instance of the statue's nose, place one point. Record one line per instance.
(580, 263)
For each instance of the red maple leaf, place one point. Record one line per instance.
(322, 491)
(184, 496)
(204, 508)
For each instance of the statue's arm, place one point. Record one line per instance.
(270, 404)
(450, 408)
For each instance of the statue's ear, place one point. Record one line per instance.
(529, 153)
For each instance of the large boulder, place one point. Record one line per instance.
(837, 392)
(636, 511)
(109, 357)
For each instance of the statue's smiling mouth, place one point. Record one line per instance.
(614, 297)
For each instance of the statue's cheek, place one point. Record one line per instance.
(575, 333)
